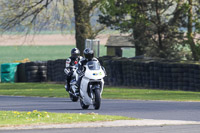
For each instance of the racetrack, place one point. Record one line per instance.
(165, 110)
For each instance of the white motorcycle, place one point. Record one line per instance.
(91, 86)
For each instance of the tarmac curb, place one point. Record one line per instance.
(118, 123)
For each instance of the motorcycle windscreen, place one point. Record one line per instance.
(93, 65)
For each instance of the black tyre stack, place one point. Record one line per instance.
(127, 75)
(107, 68)
(117, 76)
(154, 74)
(50, 70)
(140, 69)
(145, 73)
(197, 78)
(149, 73)
(55, 71)
(191, 77)
(42, 71)
(59, 70)
(180, 70)
(176, 74)
(168, 76)
(185, 78)
(135, 73)
(21, 73)
(36, 71)
(105, 61)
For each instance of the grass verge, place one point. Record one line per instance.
(10, 118)
(10, 54)
(57, 90)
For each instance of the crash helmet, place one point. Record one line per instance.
(75, 53)
(88, 53)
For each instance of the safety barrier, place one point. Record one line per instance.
(32, 72)
(55, 70)
(145, 73)
(152, 73)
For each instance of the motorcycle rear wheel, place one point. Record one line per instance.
(73, 98)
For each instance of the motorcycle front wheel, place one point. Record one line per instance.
(83, 106)
(97, 99)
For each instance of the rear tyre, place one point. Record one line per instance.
(73, 98)
(83, 106)
(97, 99)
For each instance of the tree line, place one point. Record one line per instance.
(159, 28)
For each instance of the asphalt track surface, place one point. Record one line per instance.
(163, 110)
(148, 129)
(167, 110)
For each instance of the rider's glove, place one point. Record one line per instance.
(81, 74)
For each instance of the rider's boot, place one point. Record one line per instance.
(76, 90)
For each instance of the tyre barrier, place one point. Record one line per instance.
(145, 72)
(55, 70)
(32, 71)
(21, 73)
(152, 73)
(36, 71)
(42, 71)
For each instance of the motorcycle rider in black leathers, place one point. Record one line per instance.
(88, 56)
(71, 61)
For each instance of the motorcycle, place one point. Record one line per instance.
(91, 85)
(73, 91)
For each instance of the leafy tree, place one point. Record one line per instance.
(154, 24)
(37, 15)
(193, 26)
(126, 16)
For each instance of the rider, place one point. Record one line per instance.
(88, 56)
(71, 61)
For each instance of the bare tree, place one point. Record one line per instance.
(36, 15)
(83, 10)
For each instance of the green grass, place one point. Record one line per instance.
(10, 118)
(57, 90)
(128, 52)
(10, 54)
(33, 89)
(150, 94)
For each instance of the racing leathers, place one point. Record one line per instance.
(68, 69)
